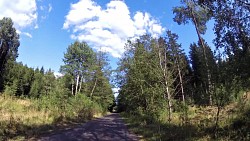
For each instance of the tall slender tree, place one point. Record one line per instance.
(9, 43)
(199, 16)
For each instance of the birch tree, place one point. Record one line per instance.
(78, 60)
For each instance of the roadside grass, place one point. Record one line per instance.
(233, 125)
(25, 118)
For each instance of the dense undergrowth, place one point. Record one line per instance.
(28, 118)
(234, 124)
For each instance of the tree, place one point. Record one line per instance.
(78, 60)
(201, 83)
(166, 74)
(142, 85)
(9, 43)
(37, 85)
(101, 90)
(20, 74)
(199, 16)
(49, 81)
(179, 63)
(233, 35)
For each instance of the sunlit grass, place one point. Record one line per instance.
(23, 110)
(28, 118)
(233, 125)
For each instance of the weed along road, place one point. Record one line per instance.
(108, 128)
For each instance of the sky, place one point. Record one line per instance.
(48, 27)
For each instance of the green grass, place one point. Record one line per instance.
(233, 125)
(28, 118)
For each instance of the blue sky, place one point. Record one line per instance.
(47, 27)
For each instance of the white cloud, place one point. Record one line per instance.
(27, 34)
(23, 12)
(50, 8)
(58, 74)
(23, 33)
(108, 29)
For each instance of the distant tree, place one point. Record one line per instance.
(28, 77)
(49, 81)
(37, 85)
(42, 70)
(201, 83)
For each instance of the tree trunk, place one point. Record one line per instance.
(170, 106)
(3, 53)
(164, 69)
(72, 88)
(205, 56)
(81, 79)
(77, 83)
(181, 81)
(92, 91)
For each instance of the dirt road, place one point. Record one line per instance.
(108, 128)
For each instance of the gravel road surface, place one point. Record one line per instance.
(108, 128)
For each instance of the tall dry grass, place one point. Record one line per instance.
(25, 118)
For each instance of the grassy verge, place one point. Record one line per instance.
(233, 125)
(22, 119)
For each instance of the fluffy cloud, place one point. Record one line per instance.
(22, 12)
(108, 29)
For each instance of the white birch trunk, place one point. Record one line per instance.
(77, 83)
(92, 91)
(181, 81)
(81, 79)
(164, 70)
(72, 88)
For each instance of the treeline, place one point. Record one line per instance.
(85, 72)
(155, 76)
(36, 99)
(20, 80)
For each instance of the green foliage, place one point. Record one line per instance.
(31, 117)
(9, 43)
(154, 76)
(200, 77)
(64, 107)
(138, 92)
(185, 13)
(79, 61)
(37, 85)
(11, 90)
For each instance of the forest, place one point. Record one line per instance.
(35, 97)
(203, 95)
(164, 93)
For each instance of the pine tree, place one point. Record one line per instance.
(201, 84)
(37, 85)
(199, 16)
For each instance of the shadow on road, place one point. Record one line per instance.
(108, 128)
